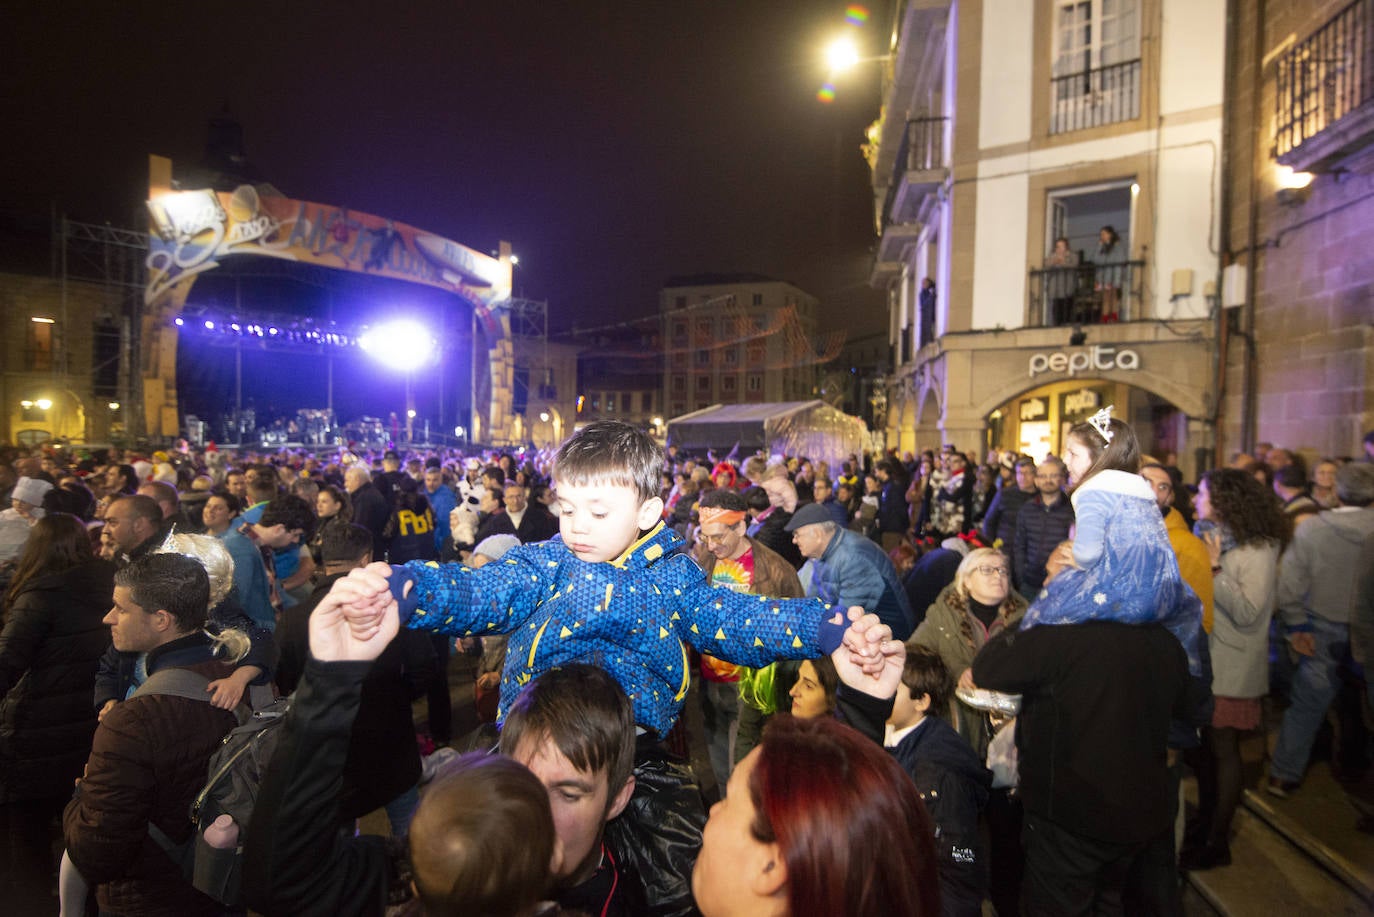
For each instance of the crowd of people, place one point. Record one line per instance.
(1012, 662)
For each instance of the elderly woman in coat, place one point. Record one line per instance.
(977, 605)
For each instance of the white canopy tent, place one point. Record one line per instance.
(812, 429)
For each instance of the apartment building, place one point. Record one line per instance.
(1009, 125)
(739, 338)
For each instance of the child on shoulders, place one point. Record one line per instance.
(1124, 568)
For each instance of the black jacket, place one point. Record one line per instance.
(53, 638)
(371, 510)
(383, 759)
(294, 861)
(773, 535)
(954, 786)
(1091, 738)
(537, 524)
(1039, 529)
(999, 523)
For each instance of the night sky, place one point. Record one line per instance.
(613, 144)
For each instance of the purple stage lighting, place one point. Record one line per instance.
(401, 344)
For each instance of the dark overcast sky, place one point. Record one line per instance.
(614, 144)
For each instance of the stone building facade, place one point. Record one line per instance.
(1301, 211)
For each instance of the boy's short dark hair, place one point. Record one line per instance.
(587, 716)
(924, 672)
(723, 498)
(611, 452)
(290, 511)
(345, 543)
(173, 583)
(482, 838)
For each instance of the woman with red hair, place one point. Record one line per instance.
(817, 820)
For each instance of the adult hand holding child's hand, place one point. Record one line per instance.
(869, 660)
(363, 597)
(336, 637)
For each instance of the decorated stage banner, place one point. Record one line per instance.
(194, 230)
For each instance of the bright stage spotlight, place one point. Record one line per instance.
(403, 345)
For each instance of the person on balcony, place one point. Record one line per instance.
(926, 301)
(1110, 262)
(1061, 282)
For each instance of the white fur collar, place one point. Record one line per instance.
(1115, 482)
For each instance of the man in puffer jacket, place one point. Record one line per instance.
(150, 752)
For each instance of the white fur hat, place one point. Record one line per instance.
(30, 490)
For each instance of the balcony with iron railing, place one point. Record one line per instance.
(919, 171)
(1094, 97)
(1324, 92)
(1085, 294)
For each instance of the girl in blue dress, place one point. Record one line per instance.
(1124, 568)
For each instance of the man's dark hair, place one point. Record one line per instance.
(1291, 477)
(345, 543)
(499, 493)
(611, 452)
(587, 716)
(142, 508)
(262, 486)
(230, 500)
(1025, 461)
(173, 583)
(924, 672)
(290, 511)
(756, 498)
(723, 498)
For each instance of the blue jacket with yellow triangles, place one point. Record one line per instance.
(633, 616)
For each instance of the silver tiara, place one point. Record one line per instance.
(1102, 422)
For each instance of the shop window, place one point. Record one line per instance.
(758, 299)
(703, 384)
(754, 382)
(729, 384)
(610, 402)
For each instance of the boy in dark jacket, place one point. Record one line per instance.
(952, 782)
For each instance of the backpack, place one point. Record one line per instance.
(234, 774)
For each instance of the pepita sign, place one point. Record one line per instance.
(1095, 358)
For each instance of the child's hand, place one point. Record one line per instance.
(335, 638)
(869, 660)
(865, 642)
(364, 595)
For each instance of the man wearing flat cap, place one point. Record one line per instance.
(850, 569)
